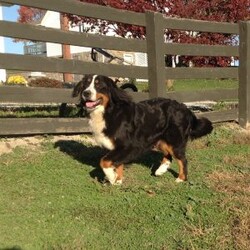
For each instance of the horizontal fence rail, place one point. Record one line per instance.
(12, 94)
(44, 34)
(200, 50)
(35, 126)
(129, 17)
(202, 26)
(35, 63)
(221, 116)
(154, 45)
(84, 9)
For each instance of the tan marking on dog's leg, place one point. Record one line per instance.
(165, 148)
(182, 172)
(119, 172)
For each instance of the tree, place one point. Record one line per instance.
(29, 15)
(213, 10)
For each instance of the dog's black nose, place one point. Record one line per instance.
(86, 94)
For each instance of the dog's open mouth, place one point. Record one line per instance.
(92, 104)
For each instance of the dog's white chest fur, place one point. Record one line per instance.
(97, 125)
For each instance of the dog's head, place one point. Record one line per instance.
(97, 90)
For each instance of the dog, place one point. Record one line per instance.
(128, 129)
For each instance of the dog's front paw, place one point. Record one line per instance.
(163, 168)
(110, 174)
(118, 183)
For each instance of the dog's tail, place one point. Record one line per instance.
(200, 127)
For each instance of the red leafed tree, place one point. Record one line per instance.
(214, 10)
(29, 15)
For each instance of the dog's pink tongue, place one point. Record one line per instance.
(90, 104)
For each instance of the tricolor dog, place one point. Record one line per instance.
(128, 129)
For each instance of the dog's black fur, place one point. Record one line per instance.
(135, 128)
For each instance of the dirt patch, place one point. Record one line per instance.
(9, 144)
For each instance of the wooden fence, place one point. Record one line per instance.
(154, 46)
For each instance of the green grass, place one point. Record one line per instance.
(52, 198)
(71, 111)
(194, 84)
(42, 111)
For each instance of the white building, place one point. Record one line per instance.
(52, 19)
(2, 49)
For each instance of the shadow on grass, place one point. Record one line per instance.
(12, 248)
(91, 155)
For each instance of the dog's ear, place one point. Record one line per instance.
(118, 94)
(77, 89)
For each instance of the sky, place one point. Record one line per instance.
(11, 14)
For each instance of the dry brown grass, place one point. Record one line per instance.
(236, 186)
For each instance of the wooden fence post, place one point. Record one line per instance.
(155, 50)
(244, 75)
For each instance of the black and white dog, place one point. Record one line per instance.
(128, 129)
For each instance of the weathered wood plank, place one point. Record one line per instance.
(44, 34)
(39, 33)
(201, 73)
(155, 50)
(220, 116)
(50, 95)
(32, 126)
(85, 9)
(200, 49)
(139, 96)
(107, 13)
(244, 75)
(199, 25)
(13, 94)
(43, 64)
(35, 126)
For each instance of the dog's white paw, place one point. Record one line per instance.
(118, 183)
(162, 169)
(178, 180)
(110, 174)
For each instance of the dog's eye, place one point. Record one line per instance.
(89, 80)
(97, 83)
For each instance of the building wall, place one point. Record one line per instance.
(2, 50)
(52, 20)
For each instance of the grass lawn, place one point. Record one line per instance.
(197, 84)
(52, 197)
(71, 110)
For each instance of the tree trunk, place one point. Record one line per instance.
(66, 54)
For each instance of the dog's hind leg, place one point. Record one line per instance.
(169, 151)
(182, 163)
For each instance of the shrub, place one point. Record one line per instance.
(45, 82)
(16, 80)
